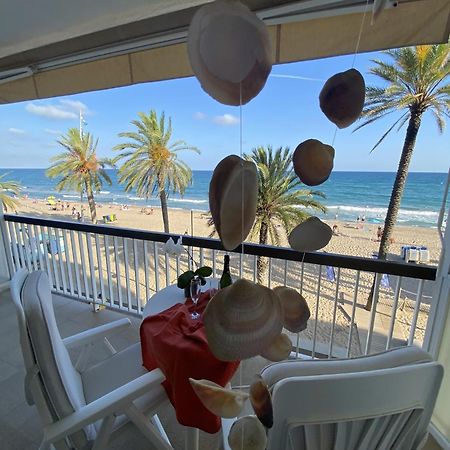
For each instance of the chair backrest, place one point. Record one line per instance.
(56, 386)
(353, 404)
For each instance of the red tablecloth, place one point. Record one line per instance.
(177, 344)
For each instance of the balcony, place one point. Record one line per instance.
(98, 273)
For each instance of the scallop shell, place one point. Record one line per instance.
(279, 349)
(220, 401)
(313, 162)
(261, 401)
(295, 309)
(311, 235)
(241, 320)
(233, 198)
(342, 97)
(247, 433)
(229, 51)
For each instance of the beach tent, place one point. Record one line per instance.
(52, 48)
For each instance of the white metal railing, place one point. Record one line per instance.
(121, 269)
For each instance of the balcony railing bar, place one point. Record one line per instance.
(416, 313)
(345, 262)
(319, 279)
(352, 319)
(373, 313)
(394, 312)
(336, 299)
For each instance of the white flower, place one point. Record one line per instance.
(174, 248)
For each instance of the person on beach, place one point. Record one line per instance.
(335, 230)
(379, 233)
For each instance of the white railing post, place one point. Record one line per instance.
(6, 266)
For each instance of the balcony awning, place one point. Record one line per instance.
(52, 48)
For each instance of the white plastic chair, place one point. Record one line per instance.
(383, 401)
(79, 407)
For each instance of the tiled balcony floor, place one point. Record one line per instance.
(20, 427)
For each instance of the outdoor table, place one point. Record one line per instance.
(163, 306)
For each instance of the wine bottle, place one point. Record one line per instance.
(225, 279)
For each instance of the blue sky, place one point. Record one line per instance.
(285, 113)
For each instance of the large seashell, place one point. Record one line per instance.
(342, 97)
(233, 198)
(279, 349)
(295, 309)
(261, 401)
(241, 320)
(313, 162)
(229, 51)
(220, 401)
(247, 433)
(311, 235)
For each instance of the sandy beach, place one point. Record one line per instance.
(352, 239)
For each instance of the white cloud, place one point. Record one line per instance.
(63, 110)
(50, 131)
(226, 119)
(294, 77)
(199, 116)
(16, 130)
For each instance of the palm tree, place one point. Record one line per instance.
(415, 85)
(280, 199)
(8, 191)
(151, 161)
(79, 168)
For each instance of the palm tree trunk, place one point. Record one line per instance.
(91, 202)
(261, 262)
(165, 214)
(397, 190)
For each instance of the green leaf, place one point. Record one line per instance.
(204, 271)
(185, 278)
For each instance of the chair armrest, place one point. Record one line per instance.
(94, 334)
(110, 403)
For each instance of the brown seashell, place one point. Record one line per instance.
(247, 433)
(311, 235)
(233, 198)
(229, 51)
(279, 349)
(261, 401)
(220, 401)
(342, 97)
(295, 309)
(313, 162)
(241, 320)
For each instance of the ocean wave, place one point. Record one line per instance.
(105, 192)
(70, 196)
(367, 211)
(187, 200)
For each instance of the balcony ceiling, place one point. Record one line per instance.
(52, 48)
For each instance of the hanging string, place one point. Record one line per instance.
(355, 53)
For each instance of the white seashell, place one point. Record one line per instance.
(233, 198)
(342, 97)
(311, 235)
(247, 433)
(295, 309)
(313, 162)
(220, 401)
(229, 51)
(261, 401)
(241, 320)
(279, 349)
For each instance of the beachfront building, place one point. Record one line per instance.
(99, 273)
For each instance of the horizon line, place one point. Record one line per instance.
(210, 170)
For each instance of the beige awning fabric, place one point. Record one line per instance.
(294, 38)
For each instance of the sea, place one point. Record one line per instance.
(348, 194)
